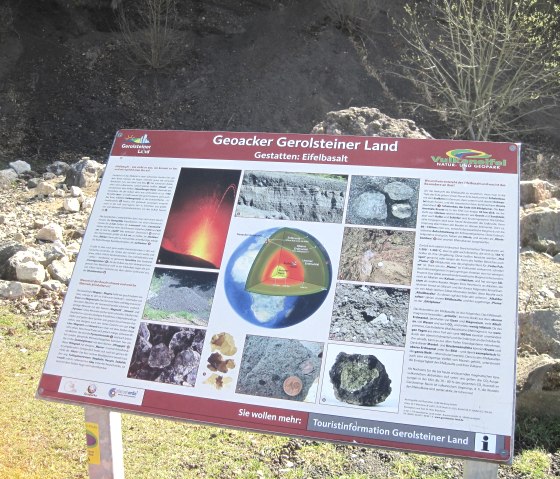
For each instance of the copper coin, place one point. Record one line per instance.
(292, 386)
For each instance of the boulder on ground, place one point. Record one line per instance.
(535, 191)
(50, 232)
(20, 166)
(368, 122)
(85, 172)
(540, 227)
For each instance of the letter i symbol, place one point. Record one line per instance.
(485, 443)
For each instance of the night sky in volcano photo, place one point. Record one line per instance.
(199, 218)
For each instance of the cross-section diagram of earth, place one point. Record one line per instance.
(290, 263)
(278, 277)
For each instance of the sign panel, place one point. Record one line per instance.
(351, 289)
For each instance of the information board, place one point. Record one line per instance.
(343, 288)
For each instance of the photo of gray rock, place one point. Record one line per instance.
(166, 354)
(280, 368)
(292, 196)
(360, 379)
(377, 256)
(180, 296)
(370, 314)
(383, 201)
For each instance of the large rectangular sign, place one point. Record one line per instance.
(344, 288)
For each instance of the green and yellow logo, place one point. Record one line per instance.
(468, 157)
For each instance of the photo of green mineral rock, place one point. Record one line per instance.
(383, 201)
(280, 368)
(166, 354)
(180, 296)
(360, 379)
(377, 256)
(292, 196)
(362, 376)
(369, 314)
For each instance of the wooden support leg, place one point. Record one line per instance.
(480, 470)
(104, 441)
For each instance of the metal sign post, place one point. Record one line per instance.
(104, 443)
(480, 470)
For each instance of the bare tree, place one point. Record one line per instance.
(149, 33)
(480, 63)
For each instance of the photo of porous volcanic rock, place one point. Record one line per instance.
(180, 296)
(166, 354)
(292, 196)
(360, 379)
(361, 376)
(370, 314)
(383, 201)
(377, 256)
(280, 368)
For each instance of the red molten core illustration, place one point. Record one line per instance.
(283, 267)
(199, 219)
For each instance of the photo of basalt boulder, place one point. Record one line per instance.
(280, 368)
(166, 354)
(360, 379)
(292, 196)
(377, 256)
(383, 201)
(370, 314)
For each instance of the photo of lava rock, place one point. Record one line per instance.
(199, 218)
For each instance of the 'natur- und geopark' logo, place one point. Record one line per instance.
(467, 158)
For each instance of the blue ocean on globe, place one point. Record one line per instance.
(260, 309)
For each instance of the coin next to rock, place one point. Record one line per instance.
(292, 385)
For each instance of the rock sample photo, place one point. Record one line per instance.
(292, 196)
(383, 201)
(377, 256)
(369, 314)
(280, 368)
(166, 354)
(180, 296)
(360, 376)
(360, 379)
(221, 362)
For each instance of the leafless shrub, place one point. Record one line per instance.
(352, 15)
(149, 31)
(479, 65)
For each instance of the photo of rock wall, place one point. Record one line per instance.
(377, 256)
(180, 296)
(292, 196)
(383, 201)
(370, 314)
(280, 368)
(166, 354)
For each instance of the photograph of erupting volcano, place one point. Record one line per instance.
(199, 218)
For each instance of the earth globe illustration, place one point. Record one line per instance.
(278, 277)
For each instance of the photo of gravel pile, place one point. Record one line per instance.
(383, 201)
(166, 354)
(280, 368)
(292, 196)
(180, 296)
(377, 256)
(369, 314)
